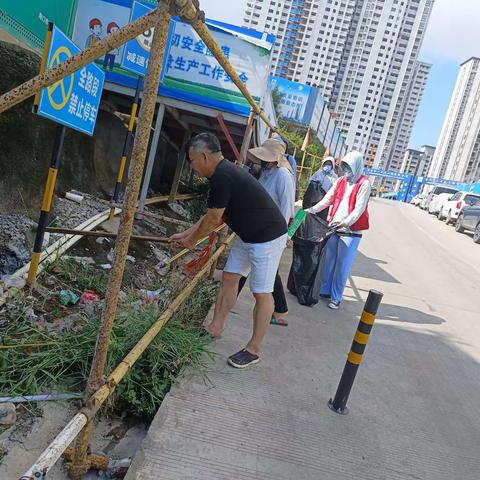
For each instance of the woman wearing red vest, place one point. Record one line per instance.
(348, 202)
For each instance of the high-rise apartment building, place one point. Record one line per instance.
(411, 161)
(400, 131)
(311, 37)
(417, 162)
(363, 56)
(458, 153)
(380, 81)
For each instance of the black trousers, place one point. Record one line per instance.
(279, 298)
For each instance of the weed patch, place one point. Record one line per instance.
(39, 362)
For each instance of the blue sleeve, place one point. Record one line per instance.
(286, 193)
(293, 164)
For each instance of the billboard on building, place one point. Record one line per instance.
(306, 106)
(291, 99)
(190, 73)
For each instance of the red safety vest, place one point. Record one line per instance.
(362, 223)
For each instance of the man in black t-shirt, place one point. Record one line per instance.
(245, 206)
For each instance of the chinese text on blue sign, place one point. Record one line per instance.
(75, 100)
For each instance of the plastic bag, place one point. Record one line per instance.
(305, 273)
(67, 297)
(313, 195)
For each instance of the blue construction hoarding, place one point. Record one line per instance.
(190, 71)
(412, 185)
(406, 179)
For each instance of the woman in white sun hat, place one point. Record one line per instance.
(279, 181)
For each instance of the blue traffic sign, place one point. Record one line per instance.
(73, 101)
(137, 51)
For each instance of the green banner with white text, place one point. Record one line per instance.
(27, 20)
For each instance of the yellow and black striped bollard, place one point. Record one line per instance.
(126, 148)
(339, 403)
(46, 203)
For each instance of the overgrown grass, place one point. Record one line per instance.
(83, 277)
(64, 361)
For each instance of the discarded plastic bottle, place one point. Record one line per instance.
(297, 221)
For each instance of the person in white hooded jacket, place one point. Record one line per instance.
(319, 184)
(348, 202)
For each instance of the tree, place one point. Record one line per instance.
(277, 97)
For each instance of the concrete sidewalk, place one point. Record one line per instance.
(414, 410)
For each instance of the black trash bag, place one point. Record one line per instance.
(313, 195)
(305, 273)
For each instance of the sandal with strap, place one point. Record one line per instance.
(278, 321)
(207, 334)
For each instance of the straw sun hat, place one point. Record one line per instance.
(272, 150)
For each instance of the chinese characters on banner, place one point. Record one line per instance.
(77, 106)
(193, 74)
(190, 55)
(73, 101)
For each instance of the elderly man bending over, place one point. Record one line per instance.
(245, 206)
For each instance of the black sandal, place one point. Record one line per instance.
(243, 359)
(205, 333)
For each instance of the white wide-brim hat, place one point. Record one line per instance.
(272, 150)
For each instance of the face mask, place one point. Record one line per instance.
(327, 168)
(256, 170)
(264, 165)
(348, 173)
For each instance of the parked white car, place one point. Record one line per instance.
(450, 208)
(437, 190)
(417, 199)
(437, 201)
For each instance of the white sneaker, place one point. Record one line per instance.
(334, 305)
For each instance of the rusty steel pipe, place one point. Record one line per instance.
(136, 170)
(66, 68)
(73, 231)
(161, 20)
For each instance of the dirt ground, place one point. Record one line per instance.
(38, 423)
(32, 434)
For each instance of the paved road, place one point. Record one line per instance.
(415, 409)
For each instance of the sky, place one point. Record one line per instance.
(453, 36)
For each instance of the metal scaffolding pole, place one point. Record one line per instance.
(152, 79)
(321, 117)
(336, 145)
(189, 12)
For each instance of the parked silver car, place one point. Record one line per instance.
(469, 219)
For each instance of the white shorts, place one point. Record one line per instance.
(259, 260)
